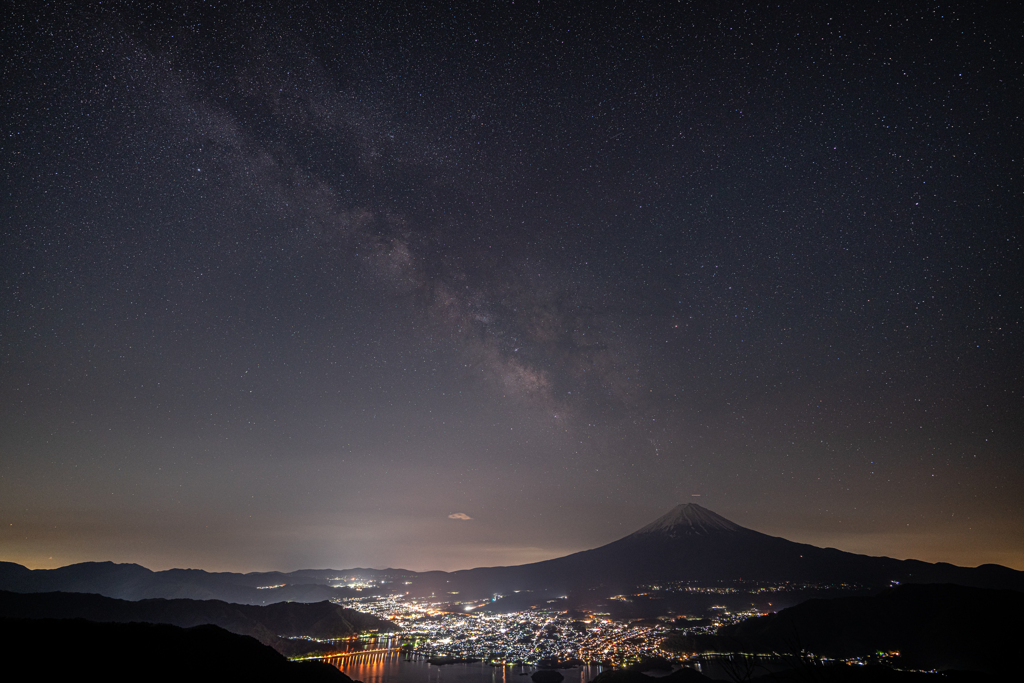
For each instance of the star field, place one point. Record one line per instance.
(292, 285)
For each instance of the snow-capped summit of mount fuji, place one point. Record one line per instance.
(689, 519)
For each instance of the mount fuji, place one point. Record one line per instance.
(693, 544)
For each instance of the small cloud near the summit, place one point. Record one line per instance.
(459, 515)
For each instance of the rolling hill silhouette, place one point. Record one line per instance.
(270, 624)
(76, 649)
(932, 627)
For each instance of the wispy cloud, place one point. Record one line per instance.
(459, 515)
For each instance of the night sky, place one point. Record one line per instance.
(357, 284)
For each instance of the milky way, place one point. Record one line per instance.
(291, 286)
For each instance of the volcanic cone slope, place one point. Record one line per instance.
(693, 544)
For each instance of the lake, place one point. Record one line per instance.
(392, 666)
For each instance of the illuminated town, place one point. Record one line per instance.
(451, 631)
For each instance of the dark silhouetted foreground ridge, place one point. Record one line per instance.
(937, 626)
(266, 624)
(76, 649)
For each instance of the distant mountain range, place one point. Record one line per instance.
(134, 582)
(689, 544)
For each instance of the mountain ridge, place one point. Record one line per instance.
(931, 626)
(269, 624)
(67, 649)
(688, 544)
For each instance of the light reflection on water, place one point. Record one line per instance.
(380, 661)
(395, 667)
